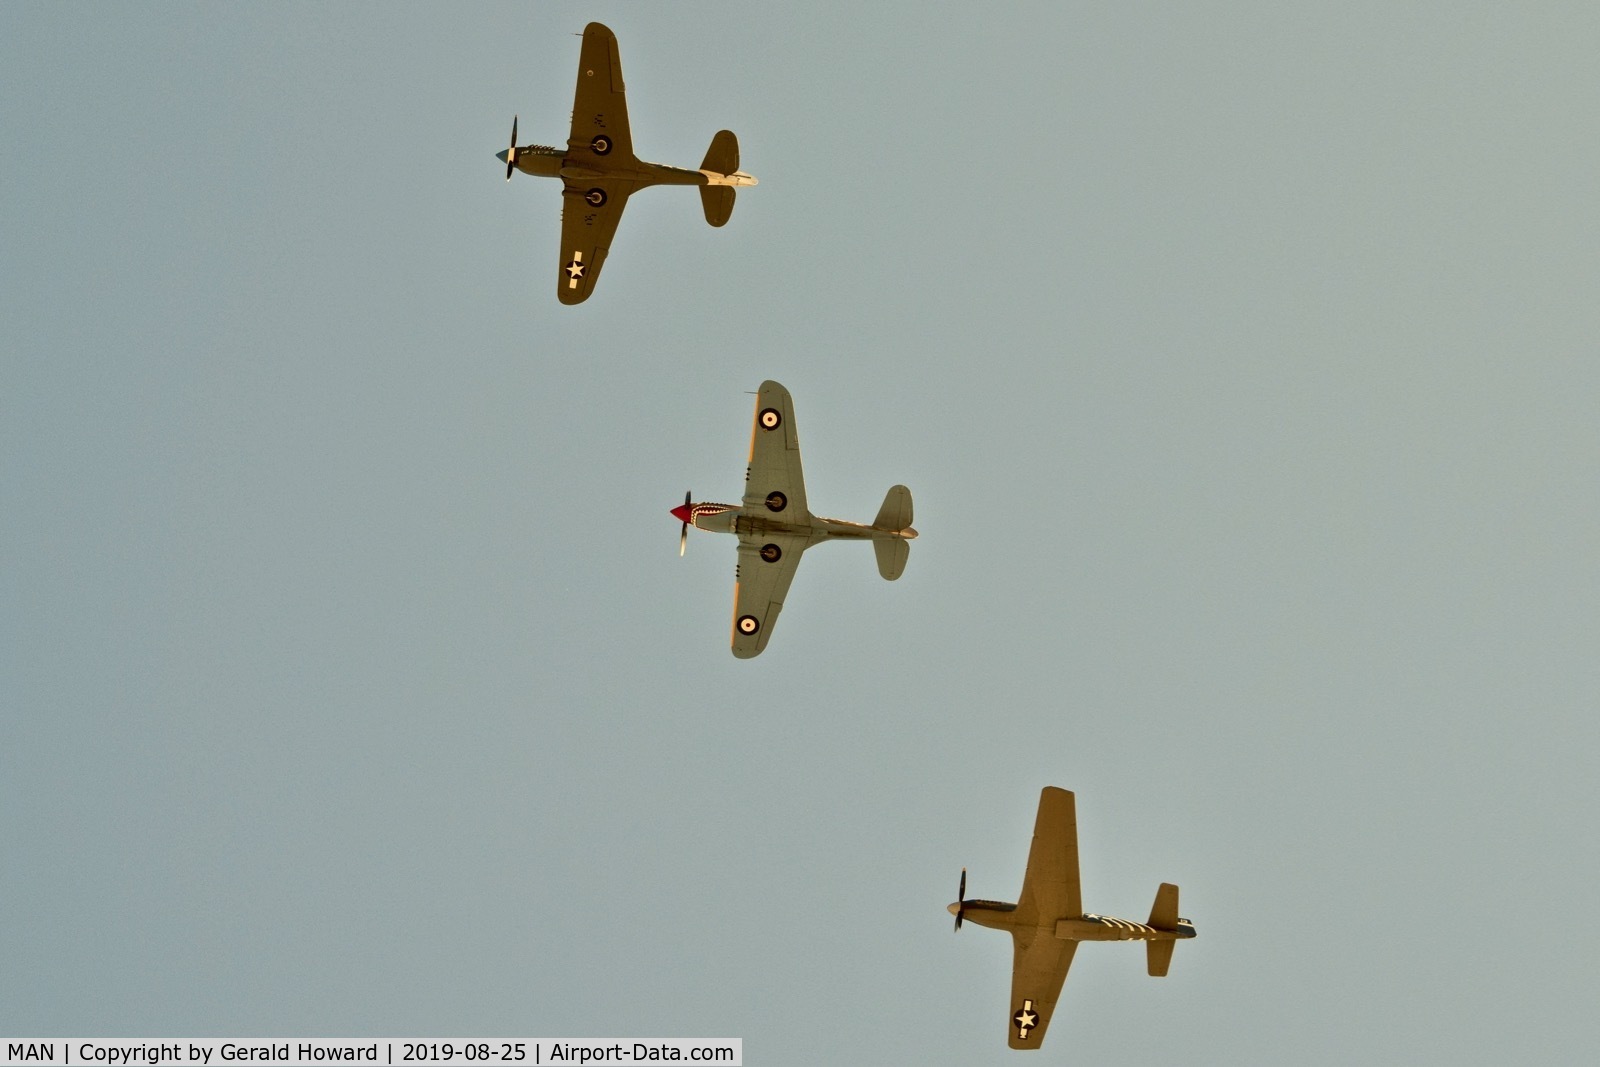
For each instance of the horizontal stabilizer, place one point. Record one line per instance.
(892, 556)
(1158, 957)
(1163, 916)
(717, 200)
(723, 155)
(1164, 912)
(896, 511)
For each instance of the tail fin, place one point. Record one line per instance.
(896, 511)
(892, 556)
(721, 158)
(1163, 916)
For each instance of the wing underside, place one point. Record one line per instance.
(600, 104)
(775, 489)
(774, 482)
(1050, 889)
(1038, 967)
(766, 567)
(590, 212)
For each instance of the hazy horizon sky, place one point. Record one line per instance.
(1240, 358)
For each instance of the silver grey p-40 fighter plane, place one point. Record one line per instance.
(774, 526)
(1048, 920)
(599, 171)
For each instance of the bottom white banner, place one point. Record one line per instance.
(499, 1051)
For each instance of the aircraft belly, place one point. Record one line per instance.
(1107, 929)
(538, 165)
(758, 526)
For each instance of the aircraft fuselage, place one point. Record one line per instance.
(998, 915)
(543, 161)
(752, 522)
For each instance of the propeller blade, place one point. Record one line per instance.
(961, 898)
(683, 534)
(511, 156)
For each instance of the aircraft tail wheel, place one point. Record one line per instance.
(601, 145)
(597, 197)
(771, 553)
(777, 501)
(748, 624)
(769, 419)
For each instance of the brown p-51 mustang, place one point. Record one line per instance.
(1048, 920)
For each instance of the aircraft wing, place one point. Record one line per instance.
(1051, 885)
(767, 563)
(773, 480)
(590, 211)
(599, 107)
(1038, 967)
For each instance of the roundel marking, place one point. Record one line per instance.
(596, 197)
(748, 624)
(601, 145)
(770, 419)
(771, 553)
(776, 501)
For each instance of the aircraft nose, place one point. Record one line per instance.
(681, 512)
(954, 909)
(501, 155)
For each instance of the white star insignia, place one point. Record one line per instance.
(1025, 1018)
(574, 270)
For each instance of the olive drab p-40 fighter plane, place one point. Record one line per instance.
(774, 527)
(1048, 920)
(599, 171)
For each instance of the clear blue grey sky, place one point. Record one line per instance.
(1241, 358)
